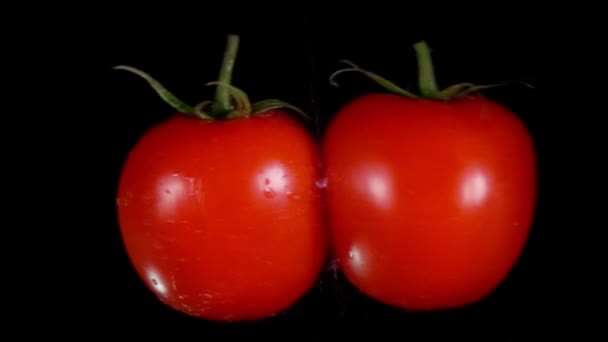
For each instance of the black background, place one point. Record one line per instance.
(288, 52)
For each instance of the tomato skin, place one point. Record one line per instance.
(430, 203)
(222, 220)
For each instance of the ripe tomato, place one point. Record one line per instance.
(430, 202)
(221, 218)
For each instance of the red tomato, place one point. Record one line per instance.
(222, 219)
(430, 202)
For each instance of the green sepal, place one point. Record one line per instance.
(426, 79)
(264, 105)
(164, 94)
(242, 105)
(386, 84)
(462, 89)
(200, 110)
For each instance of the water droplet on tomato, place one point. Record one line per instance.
(156, 279)
(268, 192)
(122, 202)
(125, 199)
(321, 183)
(292, 196)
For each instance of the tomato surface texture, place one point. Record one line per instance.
(430, 203)
(222, 219)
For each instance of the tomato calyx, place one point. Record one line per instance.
(427, 84)
(230, 102)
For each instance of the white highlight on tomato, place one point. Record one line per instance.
(356, 259)
(474, 189)
(170, 192)
(379, 187)
(157, 283)
(272, 180)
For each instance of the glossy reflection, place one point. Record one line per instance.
(474, 189)
(170, 191)
(156, 282)
(378, 187)
(272, 180)
(356, 260)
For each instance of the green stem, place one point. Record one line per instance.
(223, 100)
(426, 74)
(426, 79)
